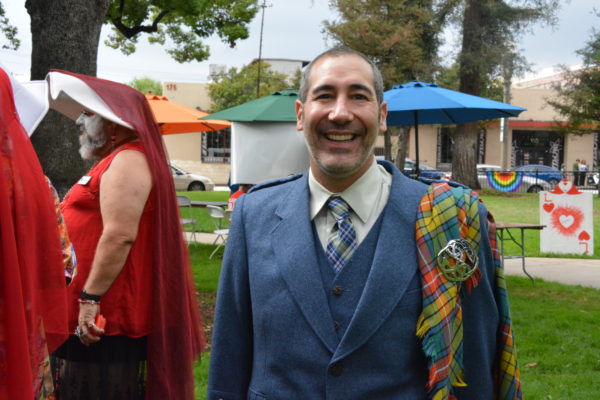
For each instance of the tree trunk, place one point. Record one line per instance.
(464, 158)
(65, 35)
(387, 145)
(402, 149)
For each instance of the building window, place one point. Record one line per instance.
(537, 147)
(445, 142)
(216, 146)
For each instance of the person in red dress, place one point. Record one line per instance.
(33, 311)
(133, 266)
(243, 189)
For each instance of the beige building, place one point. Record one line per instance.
(205, 153)
(530, 139)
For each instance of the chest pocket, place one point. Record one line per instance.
(83, 196)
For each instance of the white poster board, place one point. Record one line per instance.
(263, 151)
(568, 216)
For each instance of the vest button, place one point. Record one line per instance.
(337, 290)
(336, 370)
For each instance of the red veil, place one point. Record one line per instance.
(33, 308)
(177, 335)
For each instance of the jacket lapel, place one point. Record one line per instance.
(294, 244)
(394, 264)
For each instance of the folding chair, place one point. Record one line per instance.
(218, 217)
(185, 209)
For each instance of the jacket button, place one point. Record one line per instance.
(336, 370)
(337, 290)
(336, 325)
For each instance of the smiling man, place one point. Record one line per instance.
(326, 284)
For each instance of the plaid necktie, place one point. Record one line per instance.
(342, 241)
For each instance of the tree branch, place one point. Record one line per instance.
(131, 32)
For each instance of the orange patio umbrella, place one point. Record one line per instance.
(175, 118)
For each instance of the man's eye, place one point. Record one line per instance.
(359, 96)
(323, 96)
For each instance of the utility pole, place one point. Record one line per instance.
(508, 65)
(262, 23)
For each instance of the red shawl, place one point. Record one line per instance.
(33, 308)
(177, 335)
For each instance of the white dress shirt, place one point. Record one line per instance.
(367, 197)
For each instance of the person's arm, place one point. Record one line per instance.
(232, 339)
(124, 190)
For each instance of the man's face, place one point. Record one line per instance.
(341, 118)
(92, 137)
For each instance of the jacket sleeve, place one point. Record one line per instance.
(231, 351)
(481, 321)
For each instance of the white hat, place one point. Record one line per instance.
(70, 96)
(31, 101)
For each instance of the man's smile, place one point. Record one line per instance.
(340, 138)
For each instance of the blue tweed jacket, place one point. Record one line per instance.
(274, 336)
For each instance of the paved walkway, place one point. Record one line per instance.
(570, 271)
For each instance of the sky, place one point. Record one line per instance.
(293, 29)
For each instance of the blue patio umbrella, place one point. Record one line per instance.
(415, 103)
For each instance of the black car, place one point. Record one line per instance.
(425, 170)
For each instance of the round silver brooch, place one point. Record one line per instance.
(457, 260)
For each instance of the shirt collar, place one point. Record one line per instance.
(360, 196)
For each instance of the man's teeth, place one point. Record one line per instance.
(340, 138)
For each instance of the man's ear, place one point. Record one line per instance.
(383, 117)
(299, 109)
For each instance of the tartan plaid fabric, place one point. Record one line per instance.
(342, 241)
(447, 213)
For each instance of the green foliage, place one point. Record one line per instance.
(235, 87)
(579, 99)
(448, 78)
(9, 31)
(147, 85)
(400, 36)
(182, 23)
(490, 29)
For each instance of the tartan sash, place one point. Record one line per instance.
(447, 213)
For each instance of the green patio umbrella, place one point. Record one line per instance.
(276, 107)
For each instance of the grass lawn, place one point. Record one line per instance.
(557, 338)
(204, 223)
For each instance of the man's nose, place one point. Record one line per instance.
(341, 111)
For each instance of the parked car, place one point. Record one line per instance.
(425, 170)
(186, 181)
(549, 174)
(529, 184)
(593, 178)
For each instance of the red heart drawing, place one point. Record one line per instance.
(566, 220)
(584, 236)
(548, 207)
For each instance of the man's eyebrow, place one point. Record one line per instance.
(354, 86)
(322, 88)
